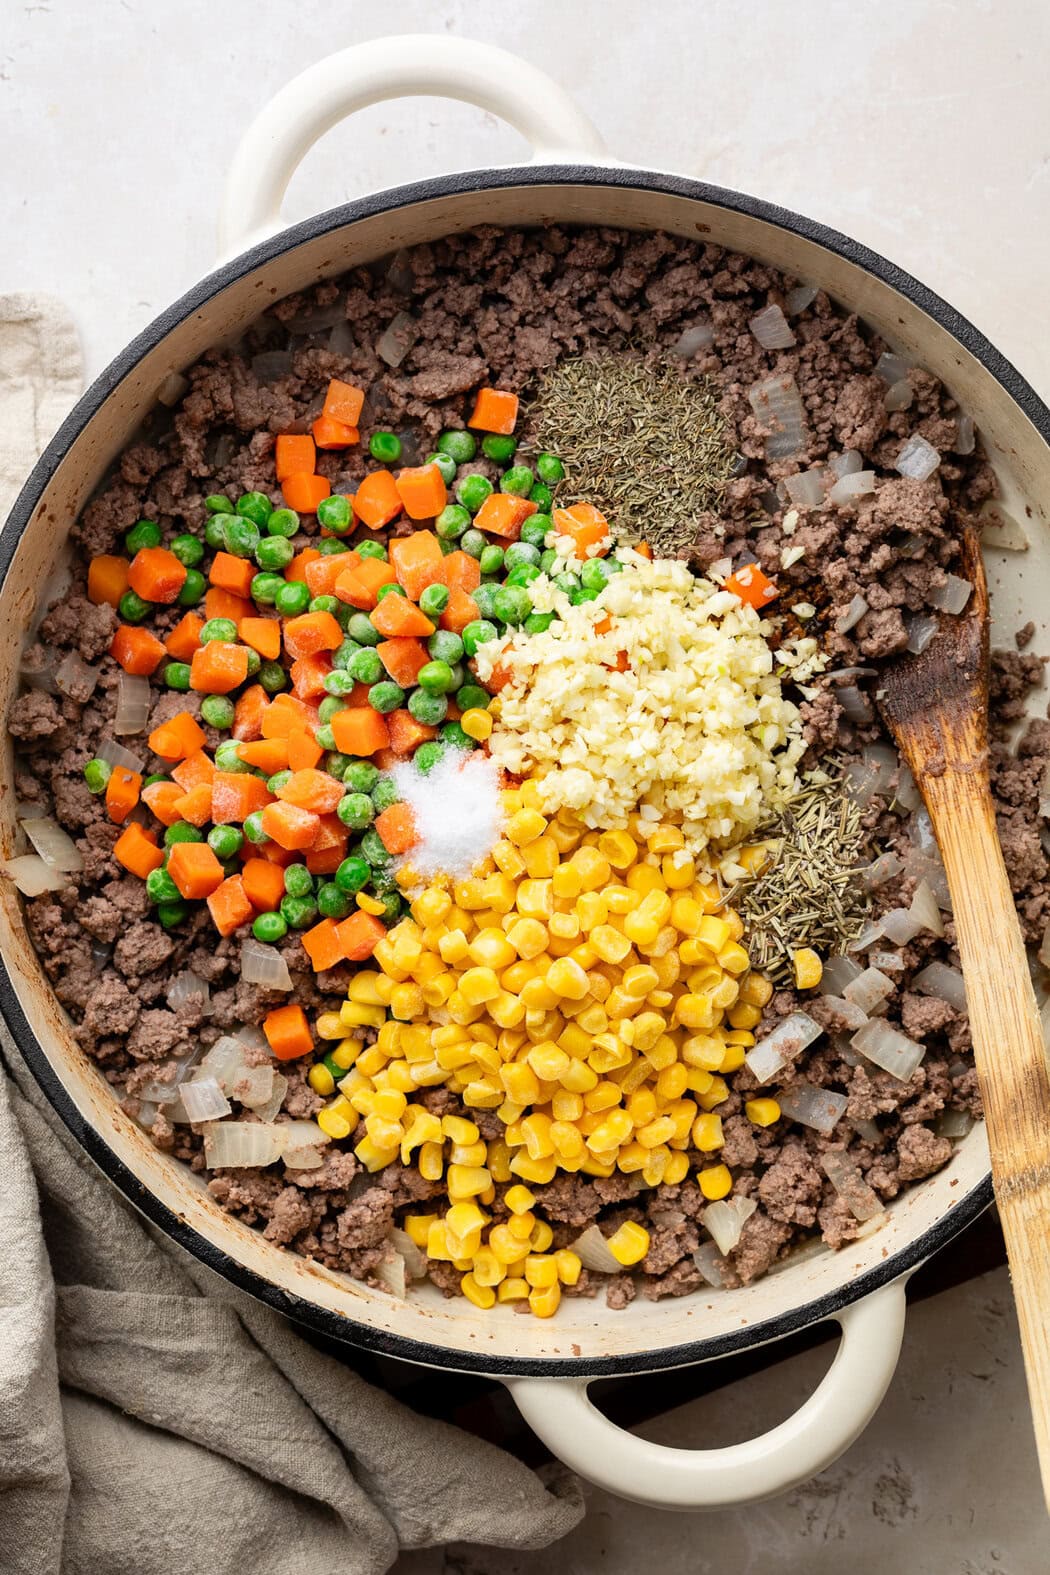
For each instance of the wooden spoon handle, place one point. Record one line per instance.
(1011, 1060)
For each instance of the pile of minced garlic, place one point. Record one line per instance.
(689, 723)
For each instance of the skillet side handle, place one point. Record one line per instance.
(385, 68)
(562, 1416)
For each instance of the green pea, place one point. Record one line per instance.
(273, 677)
(434, 600)
(325, 737)
(97, 774)
(176, 675)
(428, 708)
(548, 560)
(298, 882)
(144, 534)
(218, 629)
(542, 496)
(282, 522)
(363, 630)
(228, 754)
(393, 907)
(335, 763)
(264, 588)
(194, 587)
(275, 783)
(274, 553)
(160, 887)
(361, 776)
(331, 547)
(453, 520)
(181, 831)
(446, 464)
(521, 552)
(386, 696)
(213, 528)
(332, 903)
(491, 560)
(218, 503)
(254, 663)
(522, 574)
(225, 841)
(188, 549)
(335, 514)
(385, 793)
(353, 874)
(328, 604)
(330, 706)
(342, 654)
(253, 826)
(459, 675)
(270, 928)
(473, 543)
(337, 1071)
(445, 646)
(495, 446)
(427, 756)
(393, 589)
(584, 594)
(339, 682)
(475, 634)
(534, 531)
(485, 599)
(356, 811)
(154, 776)
(594, 575)
(132, 608)
(374, 850)
(518, 481)
(298, 912)
(460, 446)
(567, 582)
(364, 667)
(173, 912)
(455, 737)
(538, 623)
(254, 506)
(473, 698)
(385, 447)
(472, 492)
(435, 677)
(550, 469)
(292, 599)
(371, 549)
(240, 535)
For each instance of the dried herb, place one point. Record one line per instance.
(809, 893)
(651, 450)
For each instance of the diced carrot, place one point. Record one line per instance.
(330, 433)
(358, 695)
(161, 798)
(267, 754)
(460, 610)
(313, 790)
(218, 667)
(323, 946)
(752, 586)
(220, 603)
(156, 574)
(136, 650)
(137, 851)
(343, 402)
(235, 795)
(196, 768)
(195, 806)
(622, 663)
(286, 715)
(325, 861)
(323, 572)
(309, 673)
(644, 550)
(495, 410)
(359, 935)
(331, 833)
(387, 759)
(418, 562)
(185, 638)
(397, 828)
(263, 884)
(177, 738)
(288, 1033)
(502, 514)
(303, 750)
(422, 491)
(359, 730)
(289, 825)
(263, 635)
(585, 524)
(107, 579)
(461, 572)
(248, 713)
(294, 454)
(122, 793)
(403, 659)
(229, 906)
(603, 625)
(282, 857)
(312, 632)
(406, 734)
(296, 570)
(454, 712)
(195, 870)
(499, 678)
(304, 492)
(377, 500)
(403, 620)
(360, 586)
(233, 574)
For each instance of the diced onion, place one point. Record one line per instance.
(725, 1220)
(270, 1109)
(269, 365)
(965, 434)
(886, 867)
(855, 705)
(707, 1259)
(847, 463)
(899, 396)
(925, 911)
(891, 368)
(778, 406)
(853, 614)
(397, 339)
(954, 1124)
(255, 1087)
(204, 1100)
(868, 989)
(264, 966)
(391, 1274)
(886, 962)
(172, 389)
(917, 459)
(858, 484)
(907, 794)
(888, 1048)
(921, 630)
(852, 1015)
(868, 1130)
(850, 1185)
(75, 677)
(55, 846)
(318, 319)
(818, 1108)
(592, 1249)
(900, 926)
(772, 329)
(225, 1062)
(799, 298)
(147, 1114)
(341, 340)
(838, 973)
(32, 876)
(415, 1259)
(304, 1156)
(943, 982)
(37, 669)
(116, 755)
(184, 987)
(868, 936)
(806, 489)
(699, 337)
(952, 596)
(779, 1048)
(999, 529)
(240, 1145)
(133, 704)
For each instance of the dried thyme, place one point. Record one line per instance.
(651, 450)
(809, 893)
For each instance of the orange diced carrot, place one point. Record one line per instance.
(235, 795)
(195, 869)
(495, 410)
(156, 575)
(402, 619)
(220, 603)
(122, 793)
(312, 790)
(397, 828)
(359, 935)
(232, 574)
(263, 635)
(218, 667)
(312, 632)
(229, 906)
(325, 861)
(343, 402)
(182, 735)
(403, 659)
(418, 562)
(248, 714)
(502, 514)
(330, 433)
(296, 570)
(406, 734)
(753, 586)
(136, 650)
(460, 610)
(377, 500)
(309, 673)
(107, 579)
(359, 730)
(195, 806)
(289, 825)
(422, 491)
(585, 524)
(304, 492)
(288, 714)
(263, 884)
(196, 768)
(161, 798)
(360, 586)
(266, 754)
(303, 750)
(461, 572)
(185, 638)
(294, 454)
(331, 833)
(323, 572)
(137, 851)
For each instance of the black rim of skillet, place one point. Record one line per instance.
(332, 1325)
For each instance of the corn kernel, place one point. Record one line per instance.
(592, 867)
(567, 979)
(541, 1171)
(734, 960)
(506, 1246)
(476, 723)
(482, 1296)
(695, 1011)
(431, 1162)
(545, 1303)
(707, 1132)
(569, 1266)
(507, 858)
(548, 1061)
(618, 848)
(334, 1124)
(492, 949)
(763, 1112)
(580, 1078)
(808, 968)
(535, 899)
(518, 1199)
(453, 947)
(734, 1057)
(527, 937)
(755, 990)
(512, 1289)
(542, 1236)
(521, 1226)
(568, 1143)
(541, 1270)
(673, 1081)
(716, 1182)
(478, 985)
(566, 882)
(369, 904)
(629, 1244)
(676, 1169)
(371, 1155)
(321, 1080)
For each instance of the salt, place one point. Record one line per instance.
(458, 812)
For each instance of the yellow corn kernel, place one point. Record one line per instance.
(629, 1244)
(591, 909)
(321, 1080)
(567, 1140)
(585, 955)
(714, 933)
(518, 1199)
(512, 1289)
(540, 1171)
(542, 1236)
(469, 1153)
(508, 860)
(330, 1025)
(536, 1131)
(744, 1016)
(707, 1132)
(476, 723)
(564, 927)
(345, 1054)
(437, 1242)
(566, 882)
(521, 1226)
(642, 879)
(499, 894)
(525, 827)
(566, 1106)
(482, 1296)
(763, 1112)
(673, 1081)
(384, 1133)
(616, 1128)
(544, 1303)
(527, 937)
(453, 947)
(569, 1266)
(506, 1246)
(618, 848)
(580, 1078)
(639, 928)
(565, 838)
(734, 960)
(369, 904)
(548, 1061)
(676, 1169)
(406, 1002)
(735, 922)
(664, 839)
(656, 1132)
(532, 793)
(541, 857)
(372, 1060)
(592, 867)
(686, 915)
(465, 1219)
(371, 1156)
(431, 906)
(478, 985)
(535, 899)
(520, 1083)
(755, 990)
(334, 1123)
(716, 1182)
(492, 949)
(362, 988)
(541, 1270)
(602, 1097)
(695, 1011)
(735, 1056)
(507, 1010)
(647, 1030)
(469, 894)
(641, 1106)
(632, 1157)
(567, 979)
(678, 871)
(390, 1105)
(431, 1162)
(487, 1268)
(656, 1165)
(639, 980)
(417, 1226)
(808, 968)
(716, 1095)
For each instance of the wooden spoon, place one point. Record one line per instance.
(936, 705)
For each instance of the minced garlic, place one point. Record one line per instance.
(695, 728)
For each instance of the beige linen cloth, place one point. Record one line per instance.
(153, 1420)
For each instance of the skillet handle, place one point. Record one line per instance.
(561, 1414)
(385, 68)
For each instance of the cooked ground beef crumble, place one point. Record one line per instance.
(499, 307)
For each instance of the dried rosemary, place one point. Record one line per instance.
(649, 449)
(809, 894)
